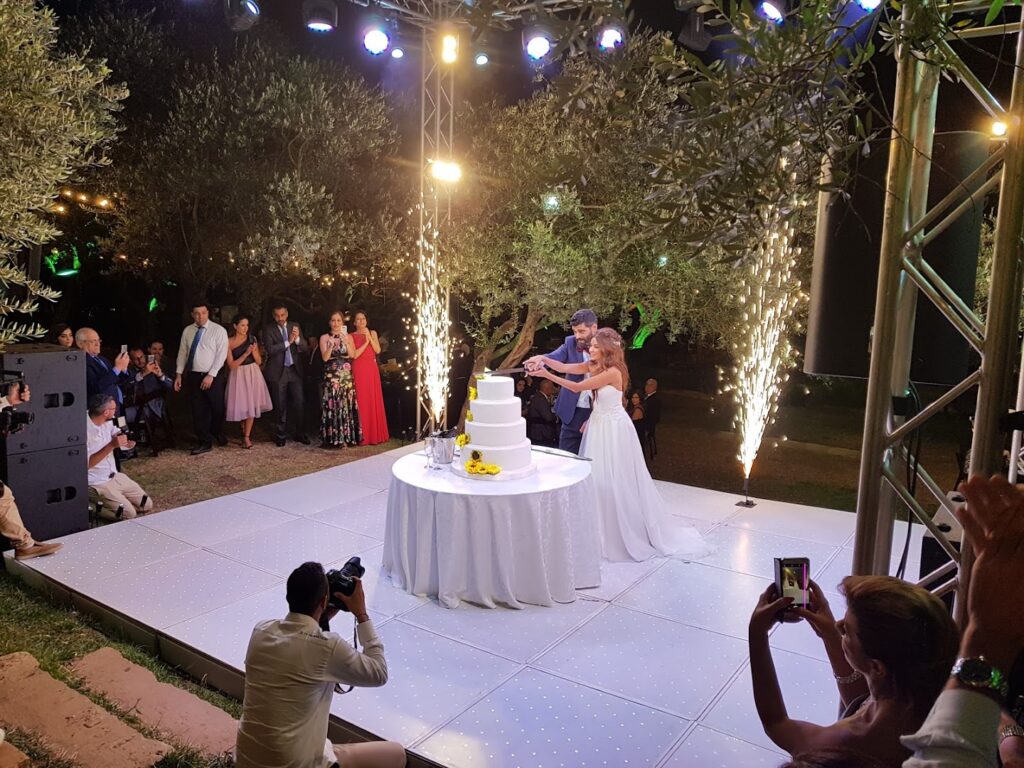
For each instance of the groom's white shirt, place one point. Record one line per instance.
(584, 401)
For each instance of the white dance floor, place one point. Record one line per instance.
(650, 669)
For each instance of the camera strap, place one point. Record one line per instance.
(337, 686)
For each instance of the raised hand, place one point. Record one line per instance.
(768, 611)
(818, 613)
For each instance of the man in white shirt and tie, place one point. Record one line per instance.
(291, 669)
(201, 355)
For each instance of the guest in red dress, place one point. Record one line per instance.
(369, 394)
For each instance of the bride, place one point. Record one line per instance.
(635, 525)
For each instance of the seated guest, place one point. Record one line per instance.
(541, 422)
(961, 729)
(156, 349)
(101, 376)
(291, 669)
(62, 334)
(635, 409)
(146, 389)
(120, 496)
(890, 654)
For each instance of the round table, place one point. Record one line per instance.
(529, 540)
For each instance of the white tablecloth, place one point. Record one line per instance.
(530, 540)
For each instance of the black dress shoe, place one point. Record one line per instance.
(304, 439)
(201, 449)
(222, 441)
(279, 442)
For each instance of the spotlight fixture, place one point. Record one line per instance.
(398, 52)
(538, 39)
(481, 59)
(771, 11)
(320, 15)
(241, 15)
(610, 37)
(999, 128)
(446, 171)
(376, 39)
(449, 47)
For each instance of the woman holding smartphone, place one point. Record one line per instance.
(339, 411)
(247, 395)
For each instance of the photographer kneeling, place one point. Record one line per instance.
(120, 496)
(11, 525)
(292, 667)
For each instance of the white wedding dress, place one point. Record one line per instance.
(635, 522)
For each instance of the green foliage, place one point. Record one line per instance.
(57, 116)
(249, 168)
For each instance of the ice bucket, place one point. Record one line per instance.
(440, 451)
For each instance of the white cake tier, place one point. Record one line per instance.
(496, 411)
(495, 388)
(496, 435)
(509, 457)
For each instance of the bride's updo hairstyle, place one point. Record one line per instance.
(612, 354)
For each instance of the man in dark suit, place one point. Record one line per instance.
(286, 357)
(101, 376)
(573, 408)
(652, 414)
(541, 423)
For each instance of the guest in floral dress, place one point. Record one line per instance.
(339, 420)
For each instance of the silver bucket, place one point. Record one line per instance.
(440, 451)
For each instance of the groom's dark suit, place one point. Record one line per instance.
(571, 416)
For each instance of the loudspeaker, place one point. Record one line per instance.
(56, 377)
(51, 489)
(844, 278)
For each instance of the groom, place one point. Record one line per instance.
(572, 408)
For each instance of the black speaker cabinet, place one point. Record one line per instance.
(845, 274)
(51, 490)
(56, 378)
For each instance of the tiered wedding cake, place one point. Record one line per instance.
(496, 431)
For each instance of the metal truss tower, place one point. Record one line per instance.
(908, 226)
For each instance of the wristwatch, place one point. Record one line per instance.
(1009, 731)
(977, 673)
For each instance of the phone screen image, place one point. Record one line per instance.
(124, 349)
(792, 575)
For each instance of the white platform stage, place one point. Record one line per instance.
(650, 669)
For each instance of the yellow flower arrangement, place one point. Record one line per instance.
(475, 467)
(476, 456)
(472, 394)
(462, 439)
(469, 415)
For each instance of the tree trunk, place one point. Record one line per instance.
(480, 361)
(524, 342)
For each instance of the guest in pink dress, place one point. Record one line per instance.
(365, 371)
(247, 395)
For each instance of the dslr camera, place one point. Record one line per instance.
(12, 421)
(344, 581)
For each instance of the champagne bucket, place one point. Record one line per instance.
(440, 451)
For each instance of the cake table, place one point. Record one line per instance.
(531, 539)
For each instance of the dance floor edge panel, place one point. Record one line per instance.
(470, 686)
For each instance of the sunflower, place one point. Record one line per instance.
(472, 394)
(462, 439)
(469, 415)
(476, 456)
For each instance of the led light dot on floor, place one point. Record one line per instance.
(649, 669)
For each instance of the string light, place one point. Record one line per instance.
(765, 352)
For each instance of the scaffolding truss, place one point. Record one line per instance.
(908, 226)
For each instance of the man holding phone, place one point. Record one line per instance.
(121, 497)
(102, 377)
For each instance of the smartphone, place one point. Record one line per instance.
(792, 578)
(124, 349)
(150, 358)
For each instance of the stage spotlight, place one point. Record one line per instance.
(869, 5)
(320, 15)
(446, 171)
(397, 52)
(771, 11)
(482, 59)
(449, 47)
(537, 40)
(241, 14)
(610, 38)
(376, 39)
(999, 128)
